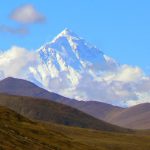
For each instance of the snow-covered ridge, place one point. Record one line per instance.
(68, 60)
(68, 49)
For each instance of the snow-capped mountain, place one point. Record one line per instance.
(69, 50)
(70, 66)
(67, 61)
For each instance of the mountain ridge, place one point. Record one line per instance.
(53, 112)
(102, 111)
(15, 86)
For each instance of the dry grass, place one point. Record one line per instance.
(19, 133)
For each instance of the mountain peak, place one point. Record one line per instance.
(68, 50)
(67, 33)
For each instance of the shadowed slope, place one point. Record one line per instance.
(45, 110)
(19, 133)
(22, 87)
(136, 117)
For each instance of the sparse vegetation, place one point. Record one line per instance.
(19, 133)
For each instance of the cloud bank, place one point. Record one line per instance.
(126, 86)
(16, 61)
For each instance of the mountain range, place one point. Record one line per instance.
(53, 112)
(69, 66)
(69, 95)
(66, 66)
(136, 117)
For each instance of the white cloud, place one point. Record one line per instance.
(14, 61)
(12, 30)
(143, 97)
(27, 14)
(125, 73)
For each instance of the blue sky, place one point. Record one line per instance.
(120, 29)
